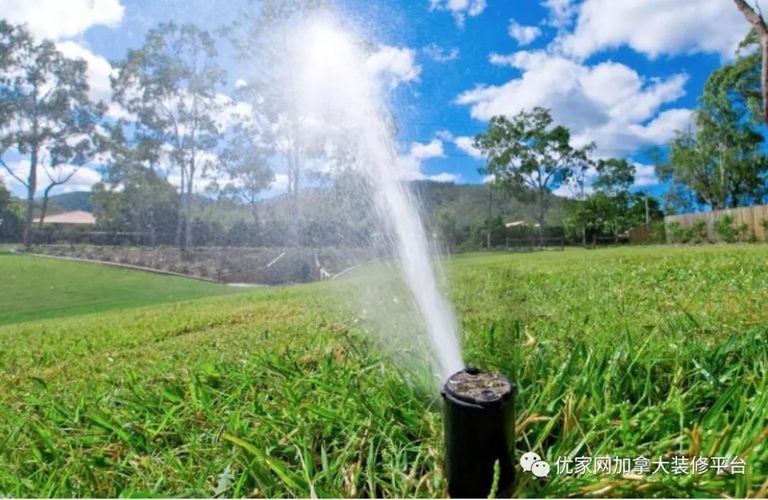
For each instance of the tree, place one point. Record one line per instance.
(720, 160)
(530, 156)
(445, 222)
(55, 179)
(265, 36)
(244, 162)
(134, 195)
(47, 116)
(614, 176)
(170, 85)
(9, 215)
(755, 18)
(612, 209)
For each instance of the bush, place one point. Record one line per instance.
(724, 227)
(764, 225)
(675, 233)
(697, 232)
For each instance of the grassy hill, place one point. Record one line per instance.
(37, 288)
(658, 352)
(69, 202)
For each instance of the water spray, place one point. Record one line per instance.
(337, 102)
(479, 431)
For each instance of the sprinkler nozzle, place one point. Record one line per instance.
(478, 423)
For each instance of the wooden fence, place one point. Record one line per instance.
(751, 216)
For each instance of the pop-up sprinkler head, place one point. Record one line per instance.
(479, 427)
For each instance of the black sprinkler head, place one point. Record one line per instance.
(479, 428)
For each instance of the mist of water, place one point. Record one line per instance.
(339, 104)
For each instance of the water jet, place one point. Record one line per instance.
(479, 430)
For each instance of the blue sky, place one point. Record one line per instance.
(624, 74)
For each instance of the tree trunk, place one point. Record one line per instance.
(31, 188)
(182, 211)
(45, 205)
(542, 211)
(757, 21)
(188, 243)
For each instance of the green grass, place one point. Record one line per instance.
(654, 351)
(38, 288)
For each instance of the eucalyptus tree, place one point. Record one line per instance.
(134, 194)
(47, 119)
(170, 85)
(531, 156)
(759, 36)
(720, 159)
(245, 166)
(262, 38)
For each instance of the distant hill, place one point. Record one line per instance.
(469, 203)
(68, 202)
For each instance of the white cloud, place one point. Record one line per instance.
(82, 180)
(656, 27)
(608, 103)
(444, 135)
(561, 12)
(571, 190)
(433, 149)
(398, 65)
(444, 177)
(460, 9)
(60, 20)
(465, 144)
(645, 175)
(410, 164)
(439, 54)
(502, 60)
(57, 19)
(524, 35)
(99, 69)
(280, 183)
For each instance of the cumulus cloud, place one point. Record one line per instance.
(561, 12)
(395, 64)
(609, 103)
(524, 35)
(654, 27)
(645, 175)
(57, 19)
(439, 54)
(99, 69)
(410, 164)
(460, 9)
(62, 20)
(433, 149)
(465, 144)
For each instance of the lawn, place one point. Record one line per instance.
(39, 288)
(659, 352)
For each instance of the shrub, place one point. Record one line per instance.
(742, 230)
(658, 233)
(697, 232)
(764, 225)
(675, 233)
(724, 227)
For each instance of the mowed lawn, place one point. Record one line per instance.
(659, 352)
(39, 288)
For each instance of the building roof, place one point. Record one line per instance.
(76, 217)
